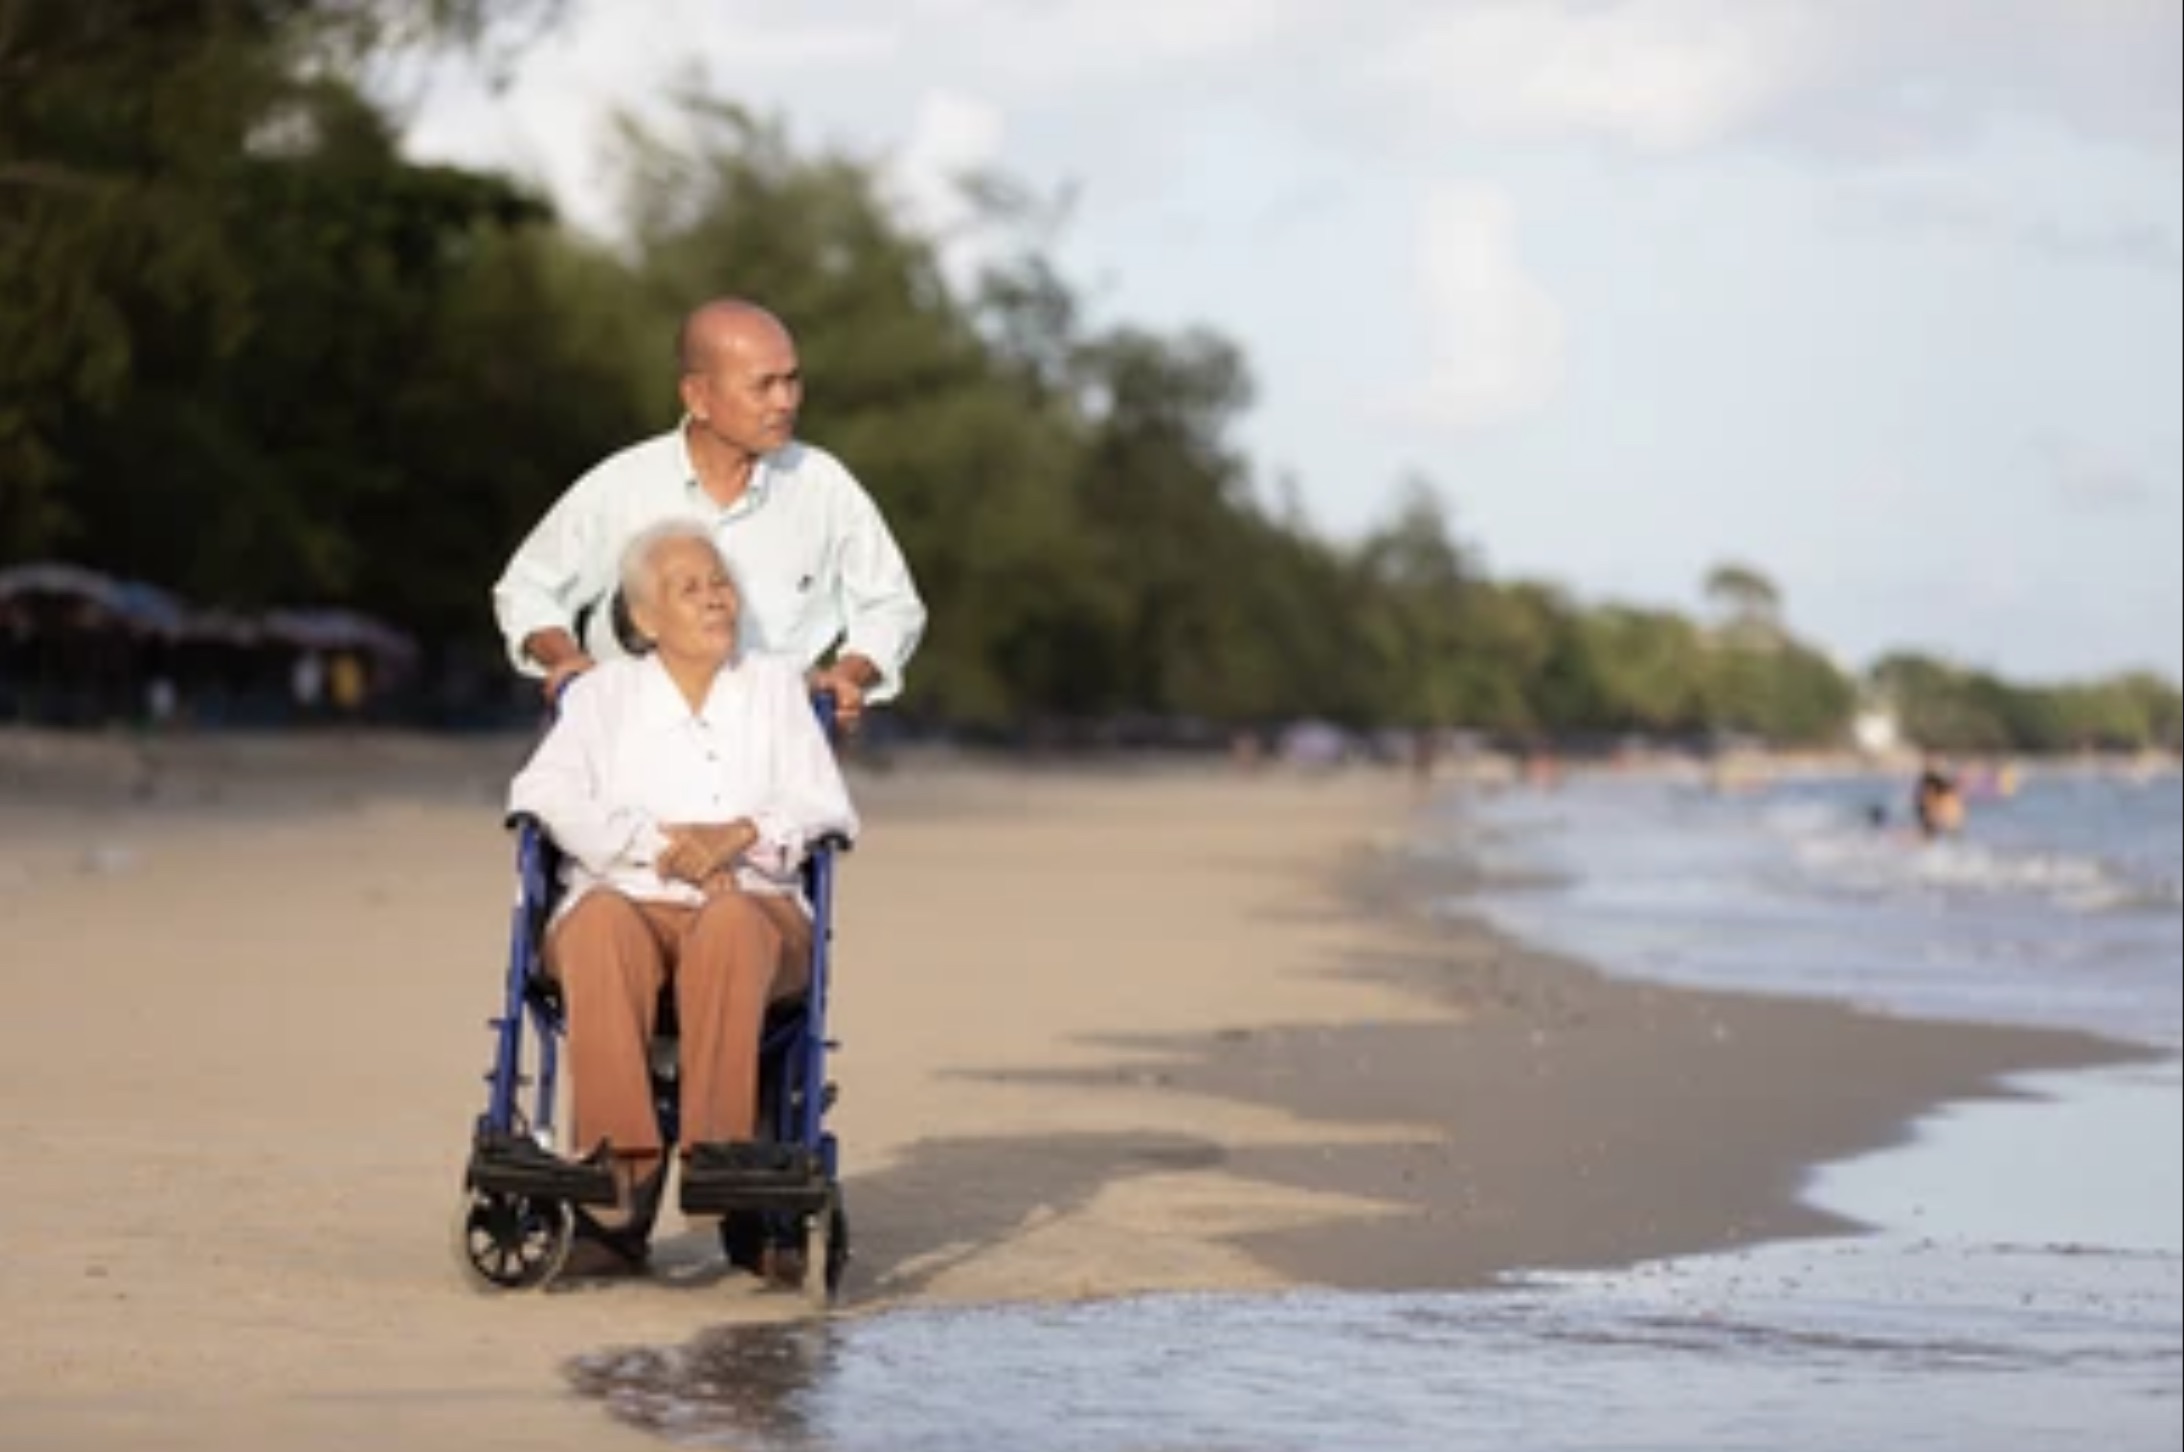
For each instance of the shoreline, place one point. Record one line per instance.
(1615, 1162)
(1107, 1033)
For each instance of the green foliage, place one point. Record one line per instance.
(118, 121)
(1652, 670)
(249, 352)
(139, 142)
(1422, 602)
(1946, 708)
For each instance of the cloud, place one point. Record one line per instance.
(734, 35)
(778, 44)
(2104, 485)
(1848, 78)
(2146, 245)
(953, 136)
(2143, 243)
(1660, 75)
(1495, 334)
(1869, 77)
(2086, 481)
(1929, 76)
(1053, 49)
(1300, 205)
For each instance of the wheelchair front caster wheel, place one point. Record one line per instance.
(509, 1242)
(826, 1253)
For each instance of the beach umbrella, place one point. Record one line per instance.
(223, 626)
(330, 628)
(149, 608)
(56, 578)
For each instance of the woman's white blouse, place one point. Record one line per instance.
(627, 756)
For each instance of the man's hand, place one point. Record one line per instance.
(559, 655)
(560, 675)
(847, 680)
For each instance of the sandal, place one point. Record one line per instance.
(625, 1231)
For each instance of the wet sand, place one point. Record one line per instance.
(1105, 1032)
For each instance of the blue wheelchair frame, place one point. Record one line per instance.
(795, 1042)
(520, 1196)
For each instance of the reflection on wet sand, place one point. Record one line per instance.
(746, 1382)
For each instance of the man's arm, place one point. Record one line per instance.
(851, 680)
(884, 619)
(552, 573)
(557, 653)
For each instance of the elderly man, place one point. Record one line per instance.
(813, 559)
(683, 786)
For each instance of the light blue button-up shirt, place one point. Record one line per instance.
(813, 560)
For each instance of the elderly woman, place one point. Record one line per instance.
(682, 786)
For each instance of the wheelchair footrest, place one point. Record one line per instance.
(515, 1164)
(721, 1178)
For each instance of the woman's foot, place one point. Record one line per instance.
(623, 1231)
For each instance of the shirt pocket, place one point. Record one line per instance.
(783, 592)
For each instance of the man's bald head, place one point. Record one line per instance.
(717, 329)
(741, 382)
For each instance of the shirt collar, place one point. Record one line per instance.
(660, 701)
(755, 493)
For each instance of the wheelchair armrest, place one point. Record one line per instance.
(517, 821)
(833, 842)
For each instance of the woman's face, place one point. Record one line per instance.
(690, 614)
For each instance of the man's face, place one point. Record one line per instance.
(750, 391)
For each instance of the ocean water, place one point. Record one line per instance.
(2062, 904)
(2020, 1286)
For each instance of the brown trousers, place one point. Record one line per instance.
(728, 960)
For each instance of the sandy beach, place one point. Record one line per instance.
(1105, 1032)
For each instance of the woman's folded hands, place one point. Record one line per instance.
(699, 852)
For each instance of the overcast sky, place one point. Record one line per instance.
(1884, 297)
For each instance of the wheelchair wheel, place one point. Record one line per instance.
(826, 1251)
(512, 1242)
(817, 1245)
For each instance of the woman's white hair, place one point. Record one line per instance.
(639, 573)
(640, 566)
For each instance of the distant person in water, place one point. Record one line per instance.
(1937, 803)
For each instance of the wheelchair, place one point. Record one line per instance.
(517, 1220)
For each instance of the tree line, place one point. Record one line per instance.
(251, 353)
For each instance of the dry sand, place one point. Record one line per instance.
(1105, 1033)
